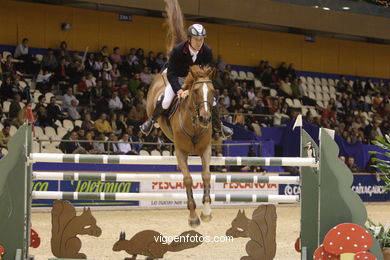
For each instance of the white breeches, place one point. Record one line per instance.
(168, 96)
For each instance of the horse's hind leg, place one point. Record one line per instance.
(182, 158)
(206, 176)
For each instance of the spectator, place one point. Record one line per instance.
(67, 99)
(89, 145)
(15, 107)
(102, 125)
(370, 165)
(151, 61)
(116, 57)
(73, 145)
(160, 60)
(221, 65)
(115, 103)
(115, 73)
(285, 87)
(54, 112)
(104, 51)
(99, 145)
(291, 71)
(6, 90)
(351, 164)
(88, 124)
(5, 135)
(145, 76)
(89, 63)
(22, 53)
(8, 66)
(49, 61)
(73, 112)
(112, 145)
(61, 74)
(136, 116)
(43, 81)
(125, 147)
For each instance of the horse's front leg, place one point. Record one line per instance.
(206, 176)
(182, 158)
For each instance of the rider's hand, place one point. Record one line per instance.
(182, 93)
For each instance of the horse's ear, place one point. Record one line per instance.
(211, 72)
(192, 73)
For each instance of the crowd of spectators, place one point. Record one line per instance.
(107, 92)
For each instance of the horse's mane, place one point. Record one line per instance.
(175, 24)
(196, 72)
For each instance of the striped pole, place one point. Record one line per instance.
(59, 195)
(168, 160)
(132, 177)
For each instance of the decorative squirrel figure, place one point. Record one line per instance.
(65, 228)
(151, 244)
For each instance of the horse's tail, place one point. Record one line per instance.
(175, 24)
(187, 239)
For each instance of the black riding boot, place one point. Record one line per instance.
(147, 127)
(218, 127)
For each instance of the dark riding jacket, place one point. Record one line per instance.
(180, 61)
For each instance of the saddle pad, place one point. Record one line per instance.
(173, 107)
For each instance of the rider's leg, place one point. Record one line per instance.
(161, 106)
(218, 127)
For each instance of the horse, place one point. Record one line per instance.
(189, 128)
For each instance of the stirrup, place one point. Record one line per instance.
(143, 130)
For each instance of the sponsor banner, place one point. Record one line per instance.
(221, 188)
(368, 187)
(86, 186)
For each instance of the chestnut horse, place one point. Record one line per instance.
(190, 130)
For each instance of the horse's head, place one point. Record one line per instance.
(121, 243)
(88, 224)
(201, 93)
(239, 226)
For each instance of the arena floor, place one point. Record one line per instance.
(174, 222)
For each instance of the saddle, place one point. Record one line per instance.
(173, 107)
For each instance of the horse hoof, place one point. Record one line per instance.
(194, 222)
(206, 218)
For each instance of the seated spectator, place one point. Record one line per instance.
(4, 134)
(89, 146)
(115, 57)
(72, 146)
(73, 112)
(88, 124)
(54, 112)
(67, 99)
(104, 51)
(216, 144)
(8, 66)
(43, 81)
(115, 103)
(112, 144)
(136, 115)
(376, 131)
(6, 89)
(89, 63)
(351, 164)
(49, 61)
(370, 165)
(125, 147)
(15, 107)
(115, 73)
(121, 124)
(145, 76)
(102, 125)
(291, 71)
(285, 87)
(99, 146)
(22, 53)
(160, 60)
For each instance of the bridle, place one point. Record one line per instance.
(197, 106)
(195, 114)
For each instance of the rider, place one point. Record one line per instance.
(183, 55)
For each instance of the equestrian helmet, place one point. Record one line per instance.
(196, 30)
